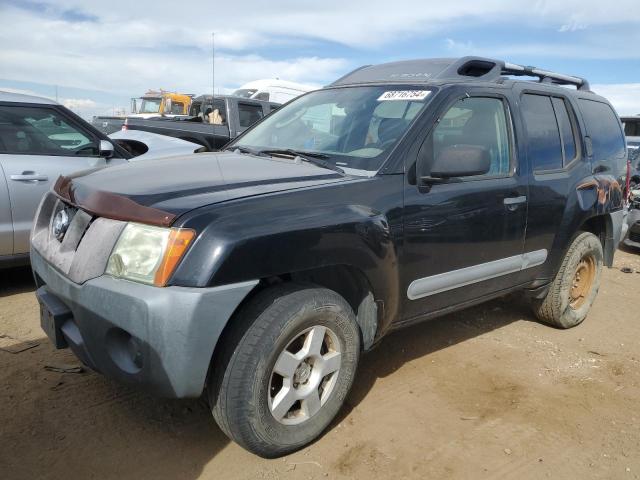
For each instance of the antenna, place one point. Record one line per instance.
(213, 67)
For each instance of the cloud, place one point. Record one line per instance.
(78, 103)
(572, 26)
(126, 47)
(625, 97)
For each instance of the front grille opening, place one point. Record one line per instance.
(93, 219)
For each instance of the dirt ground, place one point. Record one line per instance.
(484, 393)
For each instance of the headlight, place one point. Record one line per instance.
(148, 254)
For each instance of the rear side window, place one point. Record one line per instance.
(567, 133)
(604, 130)
(249, 114)
(544, 146)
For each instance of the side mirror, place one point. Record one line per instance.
(106, 149)
(461, 161)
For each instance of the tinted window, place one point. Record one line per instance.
(632, 128)
(216, 114)
(249, 114)
(245, 92)
(177, 108)
(41, 131)
(544, 148)
(604, 130)
(479, 122)
(567, 133)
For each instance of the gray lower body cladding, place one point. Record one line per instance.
(161, 339)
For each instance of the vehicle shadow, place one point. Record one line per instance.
(16, 280)
(628, 249)
(422, 339)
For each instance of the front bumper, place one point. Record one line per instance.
(161, 339)
(632, 237)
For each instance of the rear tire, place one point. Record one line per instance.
(575, 286)
(285, 368)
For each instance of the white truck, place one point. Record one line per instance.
(273, 90)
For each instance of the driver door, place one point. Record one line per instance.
(38, 143)
(464, 236)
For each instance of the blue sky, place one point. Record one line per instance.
(99, 54)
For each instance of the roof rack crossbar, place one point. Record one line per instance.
(545, 75)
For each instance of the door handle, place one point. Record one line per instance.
(29, 177)
(512, 203)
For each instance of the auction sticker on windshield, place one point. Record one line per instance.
(404, 95)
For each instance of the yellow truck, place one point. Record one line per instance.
(154, 103)
(160, 102)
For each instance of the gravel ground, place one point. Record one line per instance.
(483, 393)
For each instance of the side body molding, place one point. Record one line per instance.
(423, 287)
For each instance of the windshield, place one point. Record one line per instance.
(353, 127)
(245, 92)
(150, 105)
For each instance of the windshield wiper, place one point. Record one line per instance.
(249, 150)
(315, 158)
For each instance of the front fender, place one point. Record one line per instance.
(296, 231)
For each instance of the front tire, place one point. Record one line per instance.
(575, 286)
(285, 369)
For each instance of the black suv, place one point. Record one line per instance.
(400, 192)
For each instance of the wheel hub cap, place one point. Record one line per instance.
(304, 375)
(582, 281)
(303, 372)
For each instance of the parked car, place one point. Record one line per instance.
(146, 145)
(41, 140)
(632, 132)
(211, 125)
(401, 192)
(272, 90)
(632, 237)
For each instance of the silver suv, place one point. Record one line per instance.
(39, 141)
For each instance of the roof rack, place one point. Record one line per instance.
(545, 76)
(465, 68)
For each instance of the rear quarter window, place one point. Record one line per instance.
(249, 114)
(604, 129)
(544, 147)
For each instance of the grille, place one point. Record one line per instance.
(83, 252)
